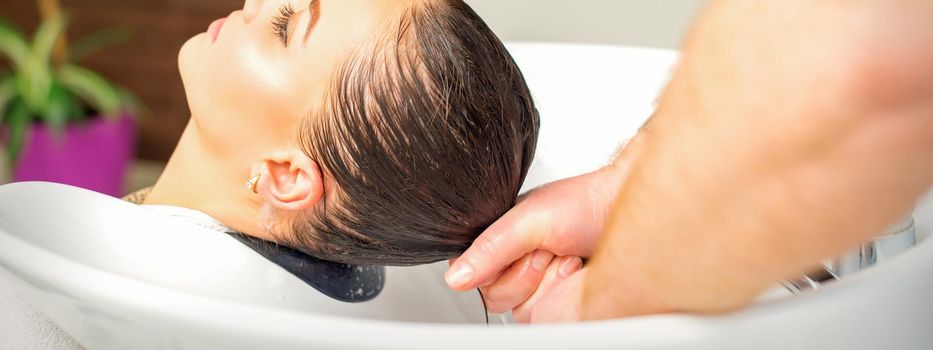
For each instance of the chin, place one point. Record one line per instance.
(190, 57)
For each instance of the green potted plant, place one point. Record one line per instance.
(62, 122)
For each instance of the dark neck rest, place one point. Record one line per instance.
(343, 282)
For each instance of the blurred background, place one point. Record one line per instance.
(136, 56)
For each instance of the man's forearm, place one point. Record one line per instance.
(764, 158)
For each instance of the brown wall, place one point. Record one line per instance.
(146, 64)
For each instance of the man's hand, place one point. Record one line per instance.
(559, 302)
(510, 258)
(549, 229)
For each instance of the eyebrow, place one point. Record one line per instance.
(314, 9)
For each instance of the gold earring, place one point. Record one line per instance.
(252, 182)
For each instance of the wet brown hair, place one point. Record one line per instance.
(425, 140)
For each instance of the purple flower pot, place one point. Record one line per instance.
(93, 154)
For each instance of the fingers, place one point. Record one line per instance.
(563, 303)
(517, 283)
(560, 269)
(506, 241)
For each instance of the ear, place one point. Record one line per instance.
(289, 181)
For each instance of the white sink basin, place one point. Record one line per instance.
(160, 285)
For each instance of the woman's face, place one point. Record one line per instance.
(256, 74)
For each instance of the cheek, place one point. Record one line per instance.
(239, 95)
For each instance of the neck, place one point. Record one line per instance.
(196, 179)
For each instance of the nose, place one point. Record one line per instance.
(251, 9)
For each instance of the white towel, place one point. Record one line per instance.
(23, 327)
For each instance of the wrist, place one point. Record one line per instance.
(608, 180)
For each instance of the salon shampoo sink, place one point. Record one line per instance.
(111, 275)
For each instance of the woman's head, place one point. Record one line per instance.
(386, 132)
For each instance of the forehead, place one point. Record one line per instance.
(343, 20)
(344, 27)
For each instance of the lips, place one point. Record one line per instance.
(214, 29)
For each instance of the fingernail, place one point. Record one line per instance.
(540, 260)
(569, 266)
(458, 275)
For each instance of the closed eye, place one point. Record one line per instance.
(280, 23)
